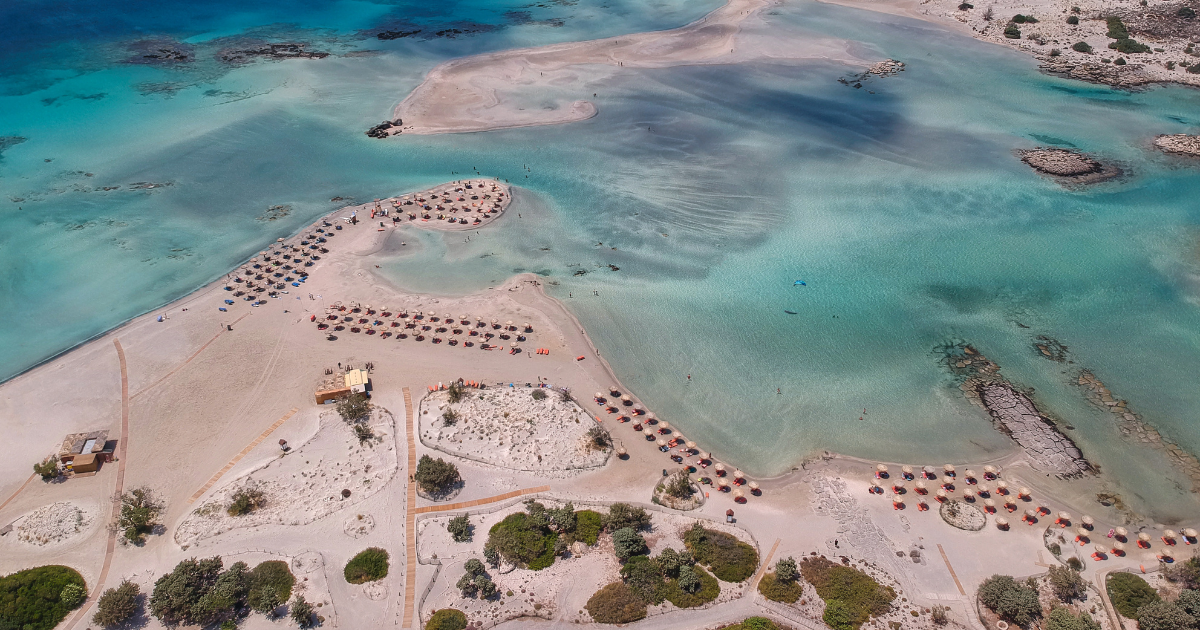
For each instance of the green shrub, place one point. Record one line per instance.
(48, 469)
(1067, 583)
(622, 515)
(369, 565)
(644, 576)
(269, 586)
(598, 438)
(966, 6)
(72, 596)
(436, 476)
(615, 603)
(730, 559)
(117, 605)
(1186, 13)
(684, 595)
(447, 619)
(837, 615)
(679, 485)
(539, 394)
(460, 528)
(1162, 615)
(456, 392)
(786, 570)
(518, 539)
(1015, 602)
(1194, 69)
(1116, 28)
(778, 590)
(1024, 19)
(32, 599)
(588, 525)
(754, 623)
(1061, 619)
(628, 543)
(1129, 46)
(302, 612)
(245, 501)
(549, 552)
(1082, 47)
(1012, 32)
(1072, 20)
(861, 595)
(177, 596)
(139, 514)
(1189, 601)
(354, 407)
(1129, 592)
(1074, 563)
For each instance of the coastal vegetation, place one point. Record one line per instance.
(616, 603)
(588, 524)
(753, 623)
(269, 586)
(48, 469)
(851, 597)
(302, 612)
(1062, 619)
(460, 528)
(199, 592)
(1082, 47)
(39, 598)
(1129, 593)
(436, 476)
(139, 514)
(622, 515)
(369, 565)
(730, 559)
(1066, 582)
(598, 438)
(245, 500)
(782, 584)
(530, 539)
(1015, 602)
(117, 605)
(447, 619)
(1164, 615)
(354, 408)
(475, 581)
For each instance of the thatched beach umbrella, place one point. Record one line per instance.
(947, 481)
(638, 407)
(620, 450)
(1001, 522)
(920, 485)
(647, 432)
(1063, 517)
(929, 472)
(982, 488)
(1023, 492)
(899, 483)
(737, 474)
(1010, 503)
(941, 494)
(738, 494)
(1121, 532)
(660, 442)
(1144, 537)
(1081, 532)
(969, 494)
(612, 388)
(721, 483)
(664, 425)
(906, 470)
(1002, 486)
(690, 445)
(1101, 550)
(880, 468)
(1170, 535)
(1118, 548)
(753, 486)
(625, 398)
(599, 396)
(948, 468)
(719, 467)
(1189, 533)
(969, 474)
(990, 504)
(1088, 521)
(875, 487)
(650, 417)
(705, 455)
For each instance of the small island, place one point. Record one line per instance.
(1179, 144)
(1069, 167)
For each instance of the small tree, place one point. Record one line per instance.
(48, 469)
(139, 514)
(447, 619)
(785, 570)
(598, 438)
(449, 417)
(679, 485)
(539, 394)
(628, 543)
(1061, 619)
(72, 595)
(1066, 582)
(1163, 615)
(938, 615)
(622, 515)
(475, 580)
(491, 556)
(689, 582)
(117, 605)
(670, 561)
(302, 612)
(177, 594)
(436, 476)
(562, 519)
(1189, 601)
(456, 392)
(460, 528)
(369, 565)
(1018, 603)
(354, 407)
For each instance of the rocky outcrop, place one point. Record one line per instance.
(1125, 77)
(161, 51)
(383, 129)
(1179, 144)
(247, 54)
(1068, 166)
(1016, 415)
(886, 68)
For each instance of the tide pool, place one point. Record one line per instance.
(711, 189)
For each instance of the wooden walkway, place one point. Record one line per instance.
(952, 574)
(763, 567)
(410, 517)
(122, 451)
(477, 502)
(237, 458)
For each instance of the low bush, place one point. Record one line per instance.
(33, 599)
(447, 619)
(1186, 13)
(686, 593)
(628, 543)
(753, 623)
(587, 526)
(1116, 28)
(966, 6)
(354, 408)
(1073, 20)
(245, 501)
(1013, 601)
(185, 595)
(48, 469)
(1189, 601)
(1067, 583)
(117, 605)
(1024, 19)
(679, 485)
(302, 612)
(369, 565)
(436, 476)
(1012, 32)
(1129, 592)
(1194, 69)
(1062, 619)
(615, 603)
(539, 394)
(859, 594)
(730, 559)
(838, 616)
(459, 528)
(645, 577)
(516, 539)
(549, 552)
(1129, 46)
(622, 515)
(475, 580)
(269, 586)
(1163, 615)
(598, 438)
(778, 590)
(139, 514)
(1082, 47)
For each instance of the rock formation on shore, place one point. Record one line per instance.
(1067, 165)
(1016, 415)
(247, 54)
(1179, 143)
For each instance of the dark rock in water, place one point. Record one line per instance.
(161, 51)
(1068, 165)
(1047, 448)
(148, 185)
(382, 129)
(247, 54)
(386, 35)
(10, 141)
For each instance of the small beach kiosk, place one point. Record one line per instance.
(85, 452)
(352, 382)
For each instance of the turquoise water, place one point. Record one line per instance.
(711, 188)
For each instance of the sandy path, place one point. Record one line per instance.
(487, 92)
(410, 516)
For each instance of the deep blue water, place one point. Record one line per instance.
(712, 188)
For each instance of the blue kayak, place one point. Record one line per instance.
(799, 283)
